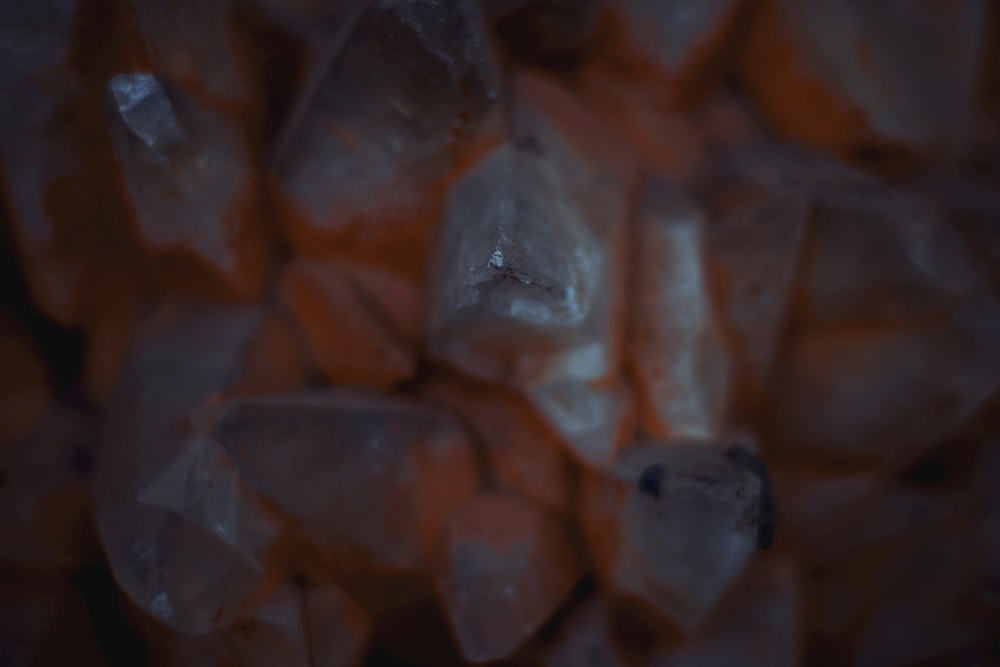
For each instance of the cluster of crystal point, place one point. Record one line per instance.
(449, 332)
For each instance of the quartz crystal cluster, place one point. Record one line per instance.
(633, 333)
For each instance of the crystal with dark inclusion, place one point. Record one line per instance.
(894, 322)
(506, 566)
(410, 93)
(672, 524)
(530, 276)
(678, 354)
(368, 481)
(188, 175)
(185, 541)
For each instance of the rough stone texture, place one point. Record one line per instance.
(506, 566)
(586, 639)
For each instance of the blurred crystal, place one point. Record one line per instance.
(894, 322)
(183, 538)
(507, 566)
(855, 74)
(188, 174)
(671, 525)
(370, 481)
(678, 355)
(530, 278)
(408, 94)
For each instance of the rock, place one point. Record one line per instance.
(338, 630)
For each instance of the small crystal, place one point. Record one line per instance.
(679, 359)
(672, 524)
(147, 112)
(507, 566)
